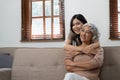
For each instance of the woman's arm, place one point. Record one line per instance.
(95, 45)
(91, 49)
(70, 67)
(70, 47)
(69, 58)
(96, 62)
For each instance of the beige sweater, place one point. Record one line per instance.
(84, 64)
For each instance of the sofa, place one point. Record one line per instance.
(48, 64)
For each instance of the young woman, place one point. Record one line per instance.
(85, 66)
(73, 39)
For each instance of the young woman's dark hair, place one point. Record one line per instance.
(79, 17)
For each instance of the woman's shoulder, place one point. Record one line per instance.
(71, 35)
(100, 49)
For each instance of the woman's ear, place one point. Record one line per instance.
(93, 38)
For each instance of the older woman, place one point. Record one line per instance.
(85, 66)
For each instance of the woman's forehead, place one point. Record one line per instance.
(87, 27)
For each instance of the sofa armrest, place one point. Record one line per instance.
(5, 74)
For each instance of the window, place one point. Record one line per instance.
(42, 20)
(115, 19)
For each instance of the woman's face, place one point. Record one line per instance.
(77, 24)
(85, 34)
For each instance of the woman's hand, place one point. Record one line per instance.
(69, 63)
(89, 50)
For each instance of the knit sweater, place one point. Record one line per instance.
(87, 65)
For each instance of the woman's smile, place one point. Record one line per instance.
(77, 26)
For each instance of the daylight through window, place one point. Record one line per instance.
(42, 20)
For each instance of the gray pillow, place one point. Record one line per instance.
(6, 61)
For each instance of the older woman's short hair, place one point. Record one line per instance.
(94, 31)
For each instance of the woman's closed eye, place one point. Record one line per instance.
(88, 32)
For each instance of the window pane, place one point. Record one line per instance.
(47, 8)
(119, 22)
(37, 27)
(42, 20)
(56, 7)
(119, 15)
(118, 5)
(37, 8)
(56, 26)
(48, 26)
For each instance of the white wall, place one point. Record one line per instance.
(95, 11)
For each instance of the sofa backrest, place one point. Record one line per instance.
(111, 66)
(9, 50)
(38, 64)
(24, 64)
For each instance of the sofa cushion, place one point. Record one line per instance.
(6, 60)
(111, 66)
(38, 64)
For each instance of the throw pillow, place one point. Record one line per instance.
(6, 61)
